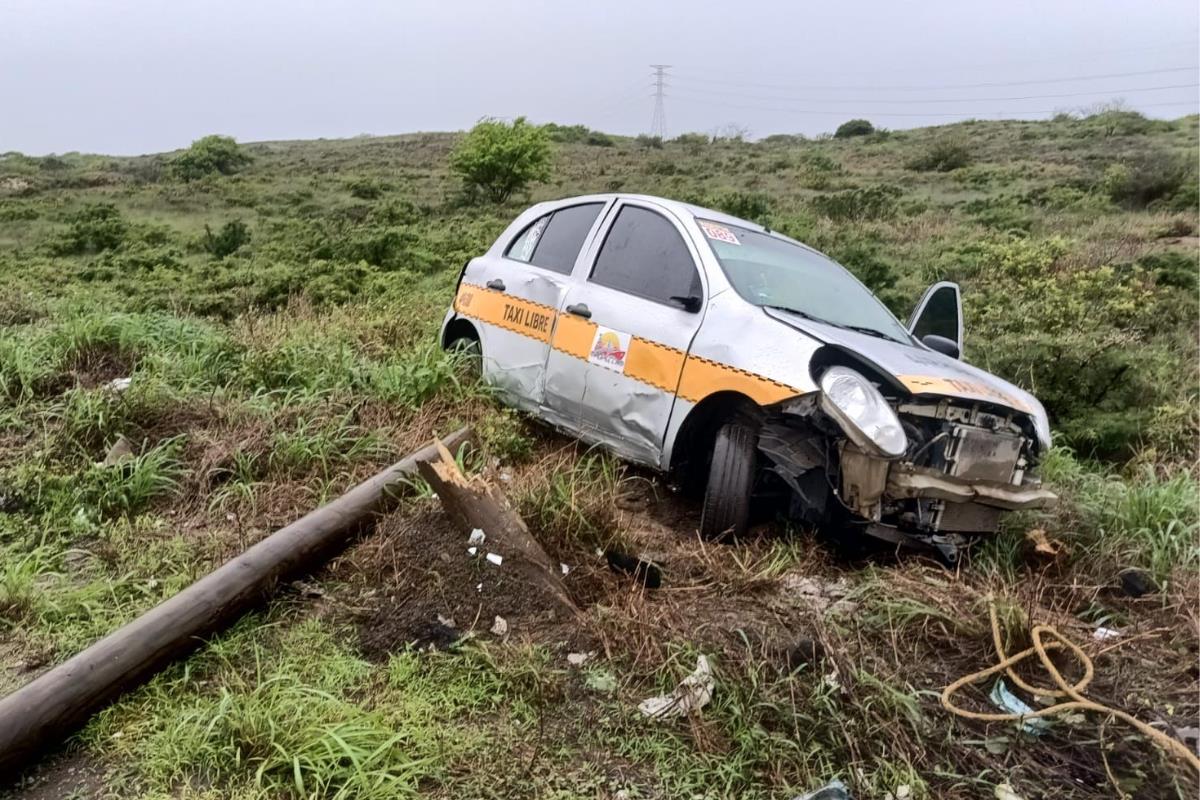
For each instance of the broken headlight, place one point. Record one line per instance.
(862, 412)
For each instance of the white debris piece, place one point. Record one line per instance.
(495, 558)
(118, 384)
(1005, 792)
(692, 694)
(564, 567)
(500, 626)
(479, 586)
(472, 551)
(579, 659)
(1103, 634)
(447, 621)
(477, 536)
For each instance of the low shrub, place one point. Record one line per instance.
(227, 240)
(856, 205)
(854, 127)
(1148, 178)
(941, 156)
(207, 156)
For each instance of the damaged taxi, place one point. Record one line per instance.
(750, 366)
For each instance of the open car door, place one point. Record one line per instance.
(939, 314)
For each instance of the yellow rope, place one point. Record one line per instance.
(1063, 688)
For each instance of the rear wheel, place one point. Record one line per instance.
(726, 510)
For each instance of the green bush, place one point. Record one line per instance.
(1147, 178)
(746, 205)
(94, 228)
(941, 156)
(498, 158)
(856, 205)
(854, 127)
(598, 139)
(207, 156)
(227, 240)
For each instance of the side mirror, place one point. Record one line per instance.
(941, 344)
(939, 314)
(690, 303)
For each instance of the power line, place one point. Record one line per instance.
(940, 100)
(872, 87)
(658, 124)
(960, 114)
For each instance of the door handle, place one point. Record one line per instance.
(580, 310)
(497, 284)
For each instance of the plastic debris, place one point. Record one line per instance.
(495, 558)
(477, 536)
(500, 626)
(903, 792)
(834, 790)
(118, 384)
(479, 586)
(1006, 700)
(1103, 634)
(565, 569)
(1005, 792)
(472, 551)
(579, 659)
(692, 694)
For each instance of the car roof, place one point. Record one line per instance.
(679, 207)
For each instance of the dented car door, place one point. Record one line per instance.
(517, 293)
(602, 379)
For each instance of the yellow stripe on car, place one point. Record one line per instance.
(666, 368)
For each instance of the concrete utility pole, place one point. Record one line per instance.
(658, 125)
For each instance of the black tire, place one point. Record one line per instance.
(726, 510)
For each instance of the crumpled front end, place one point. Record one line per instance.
(964, 467)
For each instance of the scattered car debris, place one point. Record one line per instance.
(834, 790)
(472, 551)
(1003, 698)
(1043, 545)
(1137, 582)
(495, 558)
(579, 659)
(903, 792)
(565, 569)
(499, 626)
(118, 384)
(1103, 634)
(120, 452)
(1005, 792)
(692, 694)
(477, 537)
(643, 570)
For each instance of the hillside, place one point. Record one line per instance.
(279, 327)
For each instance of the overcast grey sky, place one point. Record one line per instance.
(136, 76)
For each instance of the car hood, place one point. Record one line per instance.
(918, 369)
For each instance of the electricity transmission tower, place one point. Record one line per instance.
(658, 125)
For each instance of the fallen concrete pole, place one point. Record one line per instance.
(55, 704)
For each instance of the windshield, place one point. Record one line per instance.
(773, 272)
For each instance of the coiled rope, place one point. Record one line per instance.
(1073, 691)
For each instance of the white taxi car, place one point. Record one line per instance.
(750, 364)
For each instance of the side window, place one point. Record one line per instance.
(644, 255)
(560, 243)
(522, 247)
(553, 242)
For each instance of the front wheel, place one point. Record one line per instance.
(726, 510)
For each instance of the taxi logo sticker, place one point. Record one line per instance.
(609, 349)
(719, 232)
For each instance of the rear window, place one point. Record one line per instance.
(553, 242)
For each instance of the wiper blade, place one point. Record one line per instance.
(804, 314)
(869, 332)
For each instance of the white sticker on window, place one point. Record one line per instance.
(719, 232)
(531, 240)
(609, 349)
